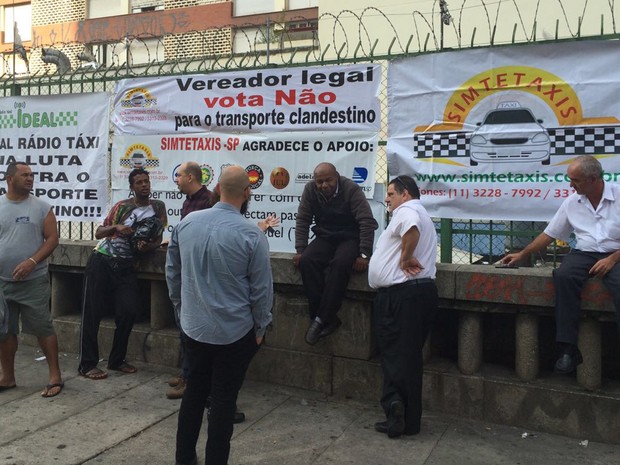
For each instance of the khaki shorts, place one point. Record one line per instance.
(29, 300)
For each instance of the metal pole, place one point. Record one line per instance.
(441, 35)
(446, 18)
(445, 230)
(127, 53)
(268, 38)
(14, 35)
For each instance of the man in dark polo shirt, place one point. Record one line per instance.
(189, 180)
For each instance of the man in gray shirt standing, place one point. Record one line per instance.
(28, 235)
(218, 272)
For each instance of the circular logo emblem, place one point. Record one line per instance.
(174, 172)
(255, 173)
(279, 178)
(207, 174)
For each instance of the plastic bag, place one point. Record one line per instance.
(146, 230)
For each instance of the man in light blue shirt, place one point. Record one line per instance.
(219, 278)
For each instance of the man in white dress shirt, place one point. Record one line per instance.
(403, 269)
(592, 213)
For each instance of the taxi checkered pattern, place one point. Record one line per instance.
(67, 118)
(585, 140)
(442, 144)
(582, 140)
(7, 121)
(148, 163)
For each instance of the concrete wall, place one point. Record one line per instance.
(489, 356)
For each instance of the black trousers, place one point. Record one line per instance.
(216, 371)
(403, 317)
(326, 266)
(107, 281)
(569, 279)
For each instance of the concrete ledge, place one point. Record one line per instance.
(551, 404)
(474, 297)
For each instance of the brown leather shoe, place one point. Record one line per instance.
(172, 382)
(176, 392)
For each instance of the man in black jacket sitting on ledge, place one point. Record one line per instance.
(345, 232)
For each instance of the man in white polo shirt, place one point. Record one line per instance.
(403, 269)
(592, 213)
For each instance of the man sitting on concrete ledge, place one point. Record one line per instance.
(345, 232)
(592, 213)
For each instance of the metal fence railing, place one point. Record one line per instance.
(350, 37)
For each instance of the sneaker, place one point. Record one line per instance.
(176, 392)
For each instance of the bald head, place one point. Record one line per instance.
(193, 168)
(325, 169)
(188, 177)
(233, 184)
(326, 178)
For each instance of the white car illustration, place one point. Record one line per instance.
(510, 133)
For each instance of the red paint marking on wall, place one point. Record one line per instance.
(512, 289)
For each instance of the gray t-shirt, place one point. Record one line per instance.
(21, 234)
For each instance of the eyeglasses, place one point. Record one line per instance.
(406, 183)
(401, 183)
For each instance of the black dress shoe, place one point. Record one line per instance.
(567, 363)
(314, 332)
(396, 419)
(381, 427)
(239, 417)
(331, 327)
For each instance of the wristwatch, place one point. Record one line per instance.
(364, 256)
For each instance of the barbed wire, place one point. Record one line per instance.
(366, 34)
(349, 35)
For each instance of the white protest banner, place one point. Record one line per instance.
(279, 165)
(64, 139)
(328, 98)
(488, 133)
(277, 123)
(282, 237)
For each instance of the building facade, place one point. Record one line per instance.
(51, 36)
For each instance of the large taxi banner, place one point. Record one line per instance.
(340, 98)
(64, 139)
(489, 133)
